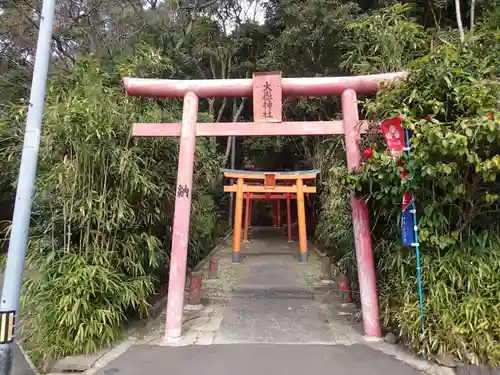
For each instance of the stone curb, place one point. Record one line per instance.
(402, 355)
(467, 369)
(110, 355)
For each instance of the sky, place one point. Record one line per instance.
(251, 10)
(255, 9)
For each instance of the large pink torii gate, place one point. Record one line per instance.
(267, 90)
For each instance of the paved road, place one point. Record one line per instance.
(19, 365)
(256, 359)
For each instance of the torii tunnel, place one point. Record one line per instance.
(270, 186)
(267, 90)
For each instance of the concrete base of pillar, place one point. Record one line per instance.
(303, 257)
(236, 257)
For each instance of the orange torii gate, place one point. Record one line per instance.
(267, 90)
(272, 185)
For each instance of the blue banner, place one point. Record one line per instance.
(407, 224)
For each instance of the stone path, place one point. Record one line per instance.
(267, 298)
(272, 302)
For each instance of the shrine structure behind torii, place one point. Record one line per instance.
(273, 186)
(267, 91)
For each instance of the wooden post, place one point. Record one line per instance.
(195, 288)
(275, 221)
(361, 222)
(301, 213)
(326, 269)
(289, 217)
(279, 213)
(212, 268)
(343, 282)
(250, 217)
(247, 218)
(238, 216)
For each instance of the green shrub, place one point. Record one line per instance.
(385, 41)
(78, 304)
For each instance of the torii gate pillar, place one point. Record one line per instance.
(361, 222)
(182, 214)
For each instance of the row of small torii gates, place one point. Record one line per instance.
(274, 186)
(267, 91)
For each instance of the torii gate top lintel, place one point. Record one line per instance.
(261, 175)
(238, 88)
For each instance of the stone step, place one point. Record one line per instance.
(77, 363)
(272, 291)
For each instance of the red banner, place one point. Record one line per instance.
(394, 135)
(406, 201)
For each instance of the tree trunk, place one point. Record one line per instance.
(460, 26)
(472, 10)
(236, 115)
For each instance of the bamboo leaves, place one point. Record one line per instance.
(100, 240)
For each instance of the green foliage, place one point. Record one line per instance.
(385, 41)
(334, 222)
(84, 300)
(311, 40)
(102, 213)
(306, 39)
(454, 163)
(450, 102)
(461, 303)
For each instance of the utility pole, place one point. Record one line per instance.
(11, 292)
